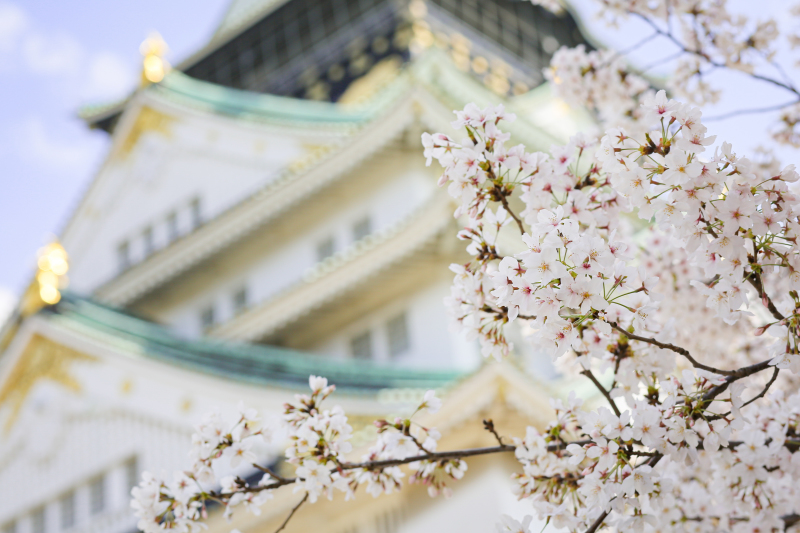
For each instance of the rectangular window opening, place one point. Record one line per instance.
(326, 249)
(124, 256)
(397, 332)
(207, 318)
(132, 473)
(361, 346)
(39, 521)
(172, 227)
(197, 213)
(97, 495)
(240, 300)
(67, 508)
(149, 241)
(362, 228)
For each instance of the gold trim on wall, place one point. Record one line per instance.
(42, 359)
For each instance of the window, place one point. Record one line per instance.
(197, 213)
(132, 473)
(149, 242)
(97, 495)
(67, 508)
(39, 521)
(361, 346)
(397, 332)
(207, 318)
(124, 256)
(326, 248)
(172, 227)
(361, 229)
(240, 300)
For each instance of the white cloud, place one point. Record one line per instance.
(36, 144)
(51, 54)
(13, 23)
(109, 77)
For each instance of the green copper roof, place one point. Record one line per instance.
(256, 364)
(245, 104)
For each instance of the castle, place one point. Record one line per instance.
(265, 213)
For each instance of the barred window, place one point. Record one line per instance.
(39, 521)
(67, 510)
(326, 248)
(197, 213)
(149, 241)
(132, 473)
(173, 231)
(362, 228)
(361, 346)
(397, 332)
(97, 494)
(207, 318)
(124, 256)
(240, 300)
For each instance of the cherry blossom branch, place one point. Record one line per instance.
(588, 373)
(488, 425)
(676, 349)
(755, 281)
(736, 376)
(705, 57)
(597, 523)
(749, 111)
(291, 514)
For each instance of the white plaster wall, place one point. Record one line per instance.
(207, 160)
(475, 507)
(432, 344)
(286, 264)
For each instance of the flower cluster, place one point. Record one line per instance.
(182, 503)
(318, 441)
(722, 234)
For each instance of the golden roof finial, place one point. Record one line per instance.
(154, 66)
(52, 267)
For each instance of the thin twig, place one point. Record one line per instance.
(680, 45)
(603, 391)
(294, 510)
(749, 111)
(597, 523)
(737, 375)
(755, 281)
(488, 425)
(268, 470)
(504, 201)
(677, 349)
(765, 389)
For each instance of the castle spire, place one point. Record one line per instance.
(154, 66)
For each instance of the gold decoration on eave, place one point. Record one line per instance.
(154, 66)
(148, 120)
(311, 154)
(42, 360)
(45, 289)
(378, 77)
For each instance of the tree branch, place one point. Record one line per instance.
(603, 391)
(291, 514)
(504, 201)
(677, 349)
(749, 111)
(597, 523)
(755, 281)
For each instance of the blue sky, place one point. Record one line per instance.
(56, 56)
